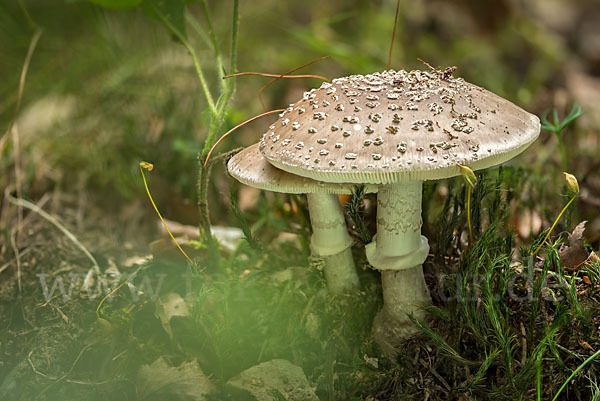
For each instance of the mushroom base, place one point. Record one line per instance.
(404, 292)
(340, 272)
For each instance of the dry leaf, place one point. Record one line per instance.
(168, 306)
(159, 381)
(573, 255)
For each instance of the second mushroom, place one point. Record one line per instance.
(330, 240)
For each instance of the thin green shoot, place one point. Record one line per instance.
(211, 34)
(470, 179)
(591, 358)
(573, 186)
(228, 87)
(538, 379)
(192, 52)
(469, 190)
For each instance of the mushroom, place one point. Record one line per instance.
(330, 240)
(397, 129)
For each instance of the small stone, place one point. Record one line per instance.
(277, 376)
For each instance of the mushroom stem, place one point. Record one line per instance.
(331, 242)
(398, 251)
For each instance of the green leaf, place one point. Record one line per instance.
(557, 126)
(546, 126)
(555, 116)
(116, 4)
(170, 12)
(573, 115)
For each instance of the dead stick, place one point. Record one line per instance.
(34, 208)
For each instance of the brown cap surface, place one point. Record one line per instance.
(396, 126)
(251, 168)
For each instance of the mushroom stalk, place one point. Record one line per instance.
(331, 242)
(398, 251)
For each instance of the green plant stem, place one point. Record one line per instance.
(561, 149)
(214, 44)
(228, 85)
(211, 34)
(553, 225)
(469, 189)
(207, 94)
(202, 197)
(575, 372)
(217, 118)
(30, 21)
(199, 72)
(234, 36)
(538, 379)
(195, 25)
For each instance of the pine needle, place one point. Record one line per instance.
(235, 128)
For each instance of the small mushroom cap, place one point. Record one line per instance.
(397, 126)
(251, 168)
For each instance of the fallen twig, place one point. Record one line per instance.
(34, 208)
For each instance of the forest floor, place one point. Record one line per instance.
(97, 303)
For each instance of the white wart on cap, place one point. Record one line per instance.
(396, 126)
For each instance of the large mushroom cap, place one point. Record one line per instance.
(250, 168)
(396, 126)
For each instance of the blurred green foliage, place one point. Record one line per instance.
(135, 94)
